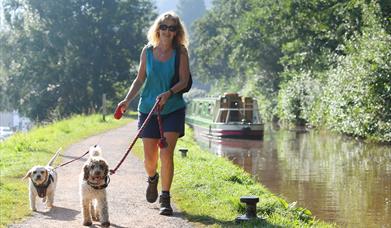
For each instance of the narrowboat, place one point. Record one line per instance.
(228, 116)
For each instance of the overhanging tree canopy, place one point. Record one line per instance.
(60, 56)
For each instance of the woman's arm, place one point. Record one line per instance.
(137, 82)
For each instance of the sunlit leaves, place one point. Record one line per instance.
(357, 94)
(327, 61)
(63, 55)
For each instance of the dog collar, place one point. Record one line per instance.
(41, 189)
(99, 187)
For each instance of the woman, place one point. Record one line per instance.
(156, 70)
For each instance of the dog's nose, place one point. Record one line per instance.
(38, 176)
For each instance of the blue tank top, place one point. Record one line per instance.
(158, 80)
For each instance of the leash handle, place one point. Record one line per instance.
(118, 112)
(162, 141)
(112, 171)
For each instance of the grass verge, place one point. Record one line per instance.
(207, 189)
(23, 150)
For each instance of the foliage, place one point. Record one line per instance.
(61, 56)
(298, 97)
(286, 53)
(189, 11)
(212, 46)
(257, 41)
(358, 94)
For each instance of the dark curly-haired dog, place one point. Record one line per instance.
(93, 182)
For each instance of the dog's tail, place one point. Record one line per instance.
(95, 151)
(54, 157)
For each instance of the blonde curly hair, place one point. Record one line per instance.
(181, 37)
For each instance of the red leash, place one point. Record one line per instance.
(162, 142)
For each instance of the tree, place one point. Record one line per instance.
(190, 10)
(62, 55)
(285, 53)
(357, 98)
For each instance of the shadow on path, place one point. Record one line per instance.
(61, 213)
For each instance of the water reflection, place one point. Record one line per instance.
(340, 180)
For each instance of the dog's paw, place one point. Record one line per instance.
(49, 204)
(95, 218)
(105, 224)
(87, 223)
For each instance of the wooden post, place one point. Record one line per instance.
(104, 106)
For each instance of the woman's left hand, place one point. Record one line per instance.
(163, 99)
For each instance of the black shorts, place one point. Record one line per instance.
(172, 122)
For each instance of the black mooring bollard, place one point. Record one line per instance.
(251, 209)
(183, 152)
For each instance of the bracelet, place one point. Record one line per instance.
(171, 92)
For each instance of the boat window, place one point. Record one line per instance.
(222, 116)
(235, 116)
(234, 113)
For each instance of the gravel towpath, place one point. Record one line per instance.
(126, 191)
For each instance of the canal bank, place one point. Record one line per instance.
(207, 189)
(341, 180)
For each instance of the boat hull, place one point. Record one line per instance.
(235, 131)
(238, 134)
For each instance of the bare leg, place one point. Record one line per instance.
(150, 155)
(167, 160)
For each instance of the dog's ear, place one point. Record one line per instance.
(46, 173)
(106, 168)
(28, 174)
(86, 170)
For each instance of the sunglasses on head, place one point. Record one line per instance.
(171, 28)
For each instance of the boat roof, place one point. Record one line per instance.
(216, 98)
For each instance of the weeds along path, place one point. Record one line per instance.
(126, 191)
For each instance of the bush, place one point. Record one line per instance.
(298, 97)
(358, 92)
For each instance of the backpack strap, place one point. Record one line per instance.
(177, 64)
(176, 75)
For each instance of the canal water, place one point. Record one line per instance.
(339, 179)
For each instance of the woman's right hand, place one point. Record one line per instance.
(124, 105)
